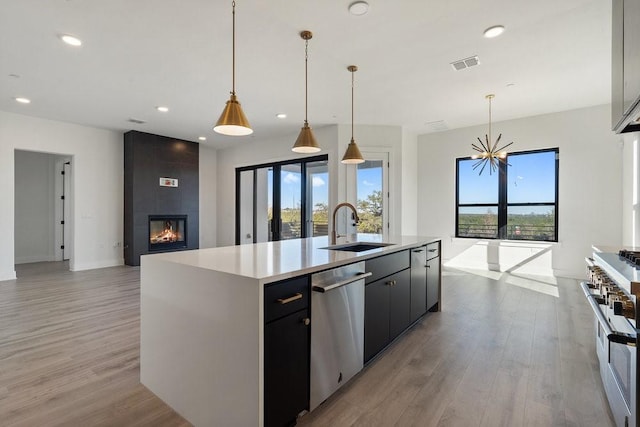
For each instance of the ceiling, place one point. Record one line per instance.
(136, 55)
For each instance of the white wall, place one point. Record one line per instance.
(34, 207)
(631, 190)
(590, 193)
(333, 140)
(97, 186)
(208, 163)
(409, 185)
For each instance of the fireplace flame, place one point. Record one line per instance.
(167, 235)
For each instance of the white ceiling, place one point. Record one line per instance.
(138, 54)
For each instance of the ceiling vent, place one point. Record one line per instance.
(465, 63)
(136, 121)
(437, 126)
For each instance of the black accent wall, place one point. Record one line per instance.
(147, 158)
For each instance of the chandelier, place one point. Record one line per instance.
(490, 154)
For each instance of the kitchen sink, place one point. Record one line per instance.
(357, 246)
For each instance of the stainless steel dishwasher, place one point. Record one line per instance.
(337, 329)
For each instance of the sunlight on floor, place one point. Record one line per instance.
(547, 285)
(543, 284)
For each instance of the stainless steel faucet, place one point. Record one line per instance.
(334, 235)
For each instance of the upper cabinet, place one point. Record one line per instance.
(625, 69)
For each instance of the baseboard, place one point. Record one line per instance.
(7, 275)
(35, 258)
(75, 266)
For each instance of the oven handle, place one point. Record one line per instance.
(612, 335)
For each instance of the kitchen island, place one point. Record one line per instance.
(202, 340)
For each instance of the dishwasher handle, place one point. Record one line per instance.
(331, 286)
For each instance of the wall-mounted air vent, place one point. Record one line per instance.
(136, 121)
(437, 126)
(461, 64)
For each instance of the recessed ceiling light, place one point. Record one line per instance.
(70, 40)
(162, 109)
(22, 100)
(359, 8)
(202, 138)
(494, 31)
(281, 115)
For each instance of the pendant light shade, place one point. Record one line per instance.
(306, 142)
(232, 121)
(352, 156)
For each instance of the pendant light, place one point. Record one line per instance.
(306, 142)
(232, 121)
(352, 156)
(489, 154)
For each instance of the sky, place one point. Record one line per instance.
(530, 178)
(369, 180)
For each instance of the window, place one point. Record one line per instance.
(519, 202)
(283, 200)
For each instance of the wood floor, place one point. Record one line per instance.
(505, 351)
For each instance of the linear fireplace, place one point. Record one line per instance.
(167, 232)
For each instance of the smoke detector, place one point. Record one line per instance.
(461, 64)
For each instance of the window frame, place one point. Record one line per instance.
(502, 205)
(276, 166)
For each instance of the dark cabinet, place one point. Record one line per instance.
(387, 306)
(286, 351)
(376, 318)
(399, 302)
(418, 282)
(433, 284)
(433, 276)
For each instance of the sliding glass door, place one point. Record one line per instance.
(284, 200)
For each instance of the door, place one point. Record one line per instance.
(317, 183)
(372, 193)
(286, 369)
(284, 200)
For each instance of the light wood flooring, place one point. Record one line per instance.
(505, 351)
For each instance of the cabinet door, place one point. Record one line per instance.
(418, 282)
(433, 283)
(286, 369)
(376, 318)
(399, 302)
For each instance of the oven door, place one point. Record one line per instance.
(616, 342)
(620, 385)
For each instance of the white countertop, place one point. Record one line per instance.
(273, 261)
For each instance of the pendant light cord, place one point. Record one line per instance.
(306, 78)
(352, 77)
(490, 119)
(233, 44)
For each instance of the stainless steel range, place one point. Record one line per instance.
(612, 290)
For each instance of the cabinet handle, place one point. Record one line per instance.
(293, 298)
(428, 266)
(306, 321)
(391, 283)
(432, 250)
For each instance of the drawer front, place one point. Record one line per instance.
(433, 250)
(288, 296)
(385, 265)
